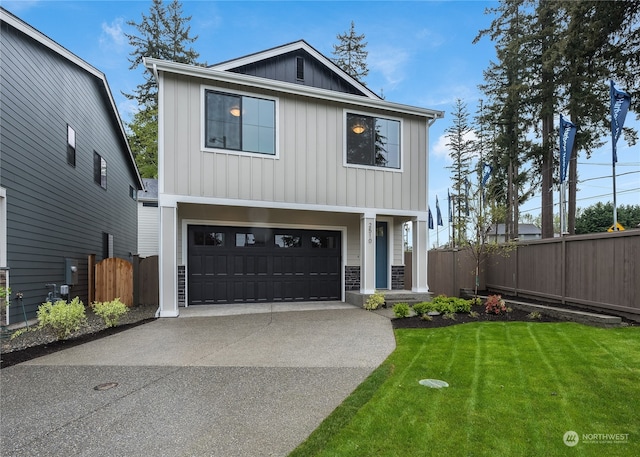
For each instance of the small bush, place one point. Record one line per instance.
(110, 311)
(495, 305)
(422, 308)
(474, 315)
(62, 317)
(476, 301)
(444, 304)
(426, 317)
(451, 316)
(401, 310)
(534, 315)
(374, 301)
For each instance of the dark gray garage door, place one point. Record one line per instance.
(240, 264)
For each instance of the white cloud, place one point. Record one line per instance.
(112, 36)
(440, 148)
(390, 62)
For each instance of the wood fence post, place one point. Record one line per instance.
(91, 280)
(136, 279)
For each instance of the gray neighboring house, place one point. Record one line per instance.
(526, 232)
(68, 180)
(148, 218)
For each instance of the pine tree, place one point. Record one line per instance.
(460, 146)
(163, 34)
(351, 54)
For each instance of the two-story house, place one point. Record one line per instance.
(281, 178)
(68, 181)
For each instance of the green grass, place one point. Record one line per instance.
(515, 389)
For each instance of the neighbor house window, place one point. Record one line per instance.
(99, 170)
(240, 123)
(71, 146)
(373, 141)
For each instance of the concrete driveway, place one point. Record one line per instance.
(209, 383)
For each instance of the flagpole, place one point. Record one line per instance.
(615, 208)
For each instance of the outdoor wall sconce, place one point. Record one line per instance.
(235, 111)
(358, 128)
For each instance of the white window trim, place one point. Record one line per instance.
(346, 164)
(203, 117)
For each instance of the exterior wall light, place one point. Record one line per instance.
(358, 128)
(235, 111)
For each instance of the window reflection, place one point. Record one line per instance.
(373, 141)
(288, 241)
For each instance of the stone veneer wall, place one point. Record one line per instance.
(351, 277)
(397, 277)
(182, 286)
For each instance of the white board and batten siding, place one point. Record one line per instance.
(309, 168)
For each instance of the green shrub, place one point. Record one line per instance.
(62, 317)
(426, 317)
(422, 308)
(449, 315)
(374, 301)
(444, 304)
(474, 315)
(110, 311)
(534, 315)
(401, 310)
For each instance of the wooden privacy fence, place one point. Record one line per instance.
(134, 283)
(597, 271)
(114, 279)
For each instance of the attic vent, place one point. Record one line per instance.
(300, 68)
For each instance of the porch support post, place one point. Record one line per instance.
(367, 253)
(419, 257)
(167, 266)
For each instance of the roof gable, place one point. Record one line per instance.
(298, 63)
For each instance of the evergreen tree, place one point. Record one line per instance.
(508, 94)
(597, 218)
(461, 147)
(351, 54)
(163, 34)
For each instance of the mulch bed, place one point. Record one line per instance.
(516, 315)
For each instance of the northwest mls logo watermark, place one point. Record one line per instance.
(572, 438)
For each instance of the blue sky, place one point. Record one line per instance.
(420, 53)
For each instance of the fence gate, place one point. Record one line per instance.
(114, 279)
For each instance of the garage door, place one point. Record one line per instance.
(241, 264)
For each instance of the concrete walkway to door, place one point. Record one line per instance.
(209, 383)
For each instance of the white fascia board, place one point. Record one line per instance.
(44, 40)
(170, 200)
(296, 45)
(295, 89)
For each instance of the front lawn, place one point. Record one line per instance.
(515, 389)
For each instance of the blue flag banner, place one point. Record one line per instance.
(430, 220)
(486, 173)
(438, 214)
(567, 137)
(620, 102)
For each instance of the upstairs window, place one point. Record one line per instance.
(240, 123)
(99, 170)
(373, 141)
(71, 146)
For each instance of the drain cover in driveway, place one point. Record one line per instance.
(433, 383)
